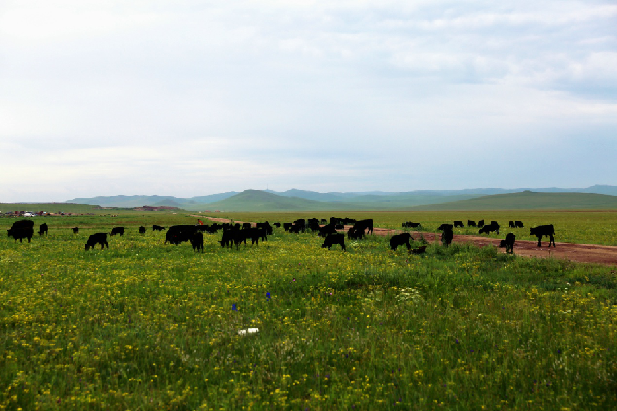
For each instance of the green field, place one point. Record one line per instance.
(148, 326)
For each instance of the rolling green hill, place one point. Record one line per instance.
(255, 200)
(528, 200)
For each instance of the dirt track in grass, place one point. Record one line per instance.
(582, 253)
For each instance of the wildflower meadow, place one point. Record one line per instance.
(288, 325)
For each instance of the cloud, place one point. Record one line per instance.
(344, 95)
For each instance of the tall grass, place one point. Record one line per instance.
(148, 326)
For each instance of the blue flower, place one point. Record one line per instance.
(268, 295)
(233, 307)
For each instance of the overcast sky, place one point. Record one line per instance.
(189, 98)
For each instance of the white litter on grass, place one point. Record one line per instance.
(248, 331)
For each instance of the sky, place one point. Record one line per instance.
(190, 98)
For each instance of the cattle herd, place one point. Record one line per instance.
(237, 234)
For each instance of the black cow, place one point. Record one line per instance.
(511, 224)
(325, 230)
(98, 238)
(246, 225)
(487, 229)
(364, 225)
(419, 250)
(266, 226)
(518, 224)
(409, 224)
(142, 230)
(43, 229)
(400, 239)
(508, 243)
(354, 234)
(197, 241)
(117, 230)
(331, 239)
(23, 224)
(480, 223)
(75, 230)
(459, 224)
(447, 236)
(19, 233)
(471, 223)
(157, 227)
(445, 226)
(287, 226)
(542, 230)
(277, 225)
(255, 234)
(179, 233)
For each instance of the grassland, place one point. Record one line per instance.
(583, 227)
(148, 326)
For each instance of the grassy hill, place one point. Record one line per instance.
(529, 200)
(255, 200)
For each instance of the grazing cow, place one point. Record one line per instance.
(287, 226)
(480, 223)
(331, 239)
(508, 243)
(487, 229)
(179, 233)
(471, 223)
(157, 227)
(43, 229)
(255, 234)
(354, 234)
(325, 230)
(447, 236)
(518, 224)
(266, 226)
(98, 238)
(75, 230)
(23, 224)
(445, 226)
(142, 230)
(246, 225)
(277, 225)
(511, 224)
(117, 230)
(364, 225)
(419, 250)
(21, 232)
(459, 224)
(197, 241)
(409, 224)
(542, 230)
(228, 238)
(313, 224)
(400, 239)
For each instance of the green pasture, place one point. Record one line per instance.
(148, 326)
(583, 227)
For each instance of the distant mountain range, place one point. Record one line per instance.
(597, 196)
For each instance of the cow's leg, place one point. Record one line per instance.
(539, 241)
(552, 240)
